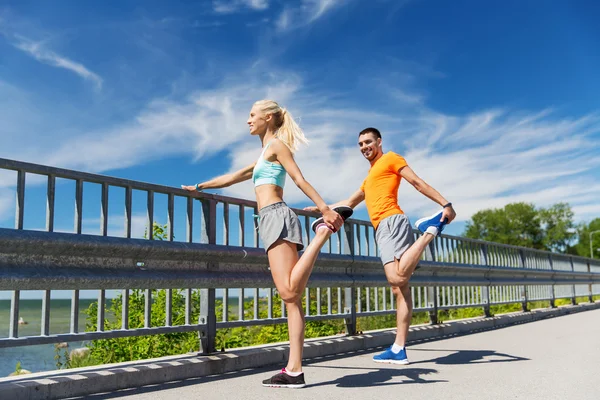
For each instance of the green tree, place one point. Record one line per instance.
(159, 232)
(558, 226)
(582, 247)
(141, 347)
(522, 224)
(516, 224)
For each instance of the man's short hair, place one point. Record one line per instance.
(374, 131)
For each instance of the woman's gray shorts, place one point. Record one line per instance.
(278, 221)
(394, 236)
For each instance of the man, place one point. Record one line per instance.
(400, 253)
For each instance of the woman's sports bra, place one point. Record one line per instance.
(268, 173)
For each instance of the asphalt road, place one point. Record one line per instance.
(557, 358)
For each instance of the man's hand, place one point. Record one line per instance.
(449, 214)
(333, 220)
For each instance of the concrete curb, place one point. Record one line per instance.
(108, 378)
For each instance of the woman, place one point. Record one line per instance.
(279, 227)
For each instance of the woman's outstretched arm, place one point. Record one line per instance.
(224, 180)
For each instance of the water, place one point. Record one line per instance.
(40, 357)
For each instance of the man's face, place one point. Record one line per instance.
(369, 145)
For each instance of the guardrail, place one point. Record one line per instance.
(221, 253)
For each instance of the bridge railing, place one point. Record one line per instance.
(210, 247)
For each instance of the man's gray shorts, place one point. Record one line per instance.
(278, 221)
(394, 236)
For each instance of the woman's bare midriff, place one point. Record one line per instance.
(267, 195)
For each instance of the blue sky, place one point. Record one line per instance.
(490, 102)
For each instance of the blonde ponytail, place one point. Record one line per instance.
(288, 130)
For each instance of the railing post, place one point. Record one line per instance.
(573, 291)
(208, 317)
(525, 299)
(485, 290)
(553, 299)
(208, 333)
(590, 286)
(14, 314)
(20, 201)
(432, 293)
(349, 292)
(524, 292)
(350, 310)
(432, 304)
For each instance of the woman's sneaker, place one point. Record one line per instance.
(283, 380)
(432, 224)
(344, 211)
(389, 357)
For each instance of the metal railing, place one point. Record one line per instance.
(217, 252)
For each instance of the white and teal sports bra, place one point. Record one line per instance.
(268, 173)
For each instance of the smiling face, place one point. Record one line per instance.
(370, 146)
(258, 121)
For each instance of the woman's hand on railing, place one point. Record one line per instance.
(193, 188)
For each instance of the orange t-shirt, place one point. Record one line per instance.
(381, 187)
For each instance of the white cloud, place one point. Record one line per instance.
(168, 127)
(486, 159)
(22, 121)
(7, 179)
(306, 13)
(480, 160)
(591, 210)
(6, 203)
(116, 226)
(37, 51)
(232, 6)
(493, 158)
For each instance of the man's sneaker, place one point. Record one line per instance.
(344, 211)
(389, 357)
(283, 380)
(432, 221)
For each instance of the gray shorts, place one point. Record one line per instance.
(278, 221)
(394, 236)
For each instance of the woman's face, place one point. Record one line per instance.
(258, 121)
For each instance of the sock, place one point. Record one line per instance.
(321, 226)
(292, 373)
(396, 348)
(433, 230)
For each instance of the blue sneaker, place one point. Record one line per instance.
(434, 220)
(389, 357)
